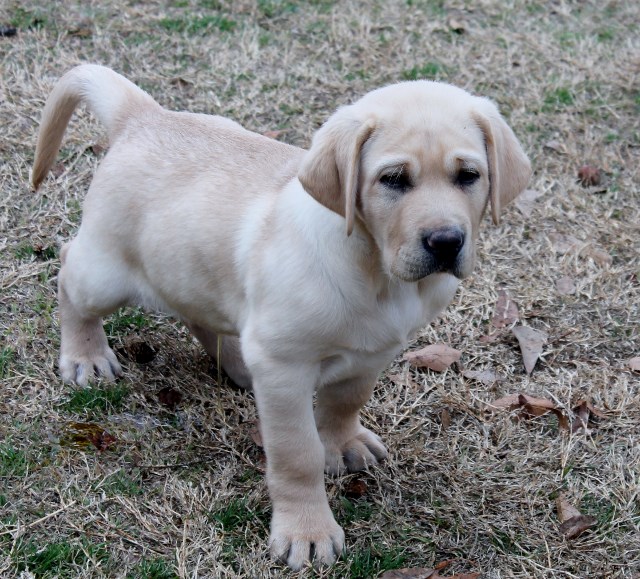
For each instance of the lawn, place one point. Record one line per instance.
(161, 474)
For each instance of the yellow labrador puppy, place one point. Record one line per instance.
(322, 263)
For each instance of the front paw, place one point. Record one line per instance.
(81, 369)
(354, 452)
(301, 536)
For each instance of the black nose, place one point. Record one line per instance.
(444, 244)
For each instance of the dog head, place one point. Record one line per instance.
(416, 164)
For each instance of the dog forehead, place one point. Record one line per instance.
(422, 116)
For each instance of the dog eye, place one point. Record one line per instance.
(396, 180)
(466, 177)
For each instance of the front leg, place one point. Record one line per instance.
(302, 525)
(349, 446)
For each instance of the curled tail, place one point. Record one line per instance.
(108, 95)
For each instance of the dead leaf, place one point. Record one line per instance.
(565, 286)
(531, 407)
(138, 350)
(254, 432)
(7, 31)
(272, 134)
(531, 344)
(487, 377)
(525, 202)
(436, 357)
(490, 338)
(356, 489)
(584, 412)
(445, 419)
(415, 573)
(634, 364)
(169, 397)
(556, 146)
(506, 311)
(80, 435)
(572, 522)
(457, 26)
(562, 243)
(600, 256)
(506, 402)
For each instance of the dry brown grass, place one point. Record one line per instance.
(182, 492)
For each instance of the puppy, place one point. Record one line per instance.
(317, 266)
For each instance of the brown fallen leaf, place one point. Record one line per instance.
(138, 350)
(445, 419)
(572, 522)
(562, 243)
(272, 134)
(531, 344)
(415, 573)
(169, 397)
(490, 338)
(565, 286)
(254, 432)
(436, 357)
(80, 435)
(634, 364)
(487, 377)
(506, 311)
(556, 146)
(584, 412)
(356, 489)
(531, 407)
(600, 256)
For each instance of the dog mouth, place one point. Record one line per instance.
(438, 251)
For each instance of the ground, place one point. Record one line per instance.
(160, 475)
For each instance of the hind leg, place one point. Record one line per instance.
(90, 285)
(230, 354)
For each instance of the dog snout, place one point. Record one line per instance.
(444, 244)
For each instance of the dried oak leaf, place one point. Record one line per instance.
(254, 432)
(169, 397)
(80, 435)
(531, 407)
(634, 364)
(563, 243)
(415, 573)
(584, 412)
(531, 344)
(487, 377)
(565, 286)
(436, 357)
(572, 522)
(356, 489)
(506, 311)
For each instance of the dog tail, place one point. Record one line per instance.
(108, 95)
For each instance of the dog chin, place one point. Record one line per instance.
(416, 271)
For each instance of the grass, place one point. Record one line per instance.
(182, 491)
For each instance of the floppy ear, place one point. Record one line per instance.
(331, 168)
(509, 167)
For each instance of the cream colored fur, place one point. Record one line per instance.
(315, 269)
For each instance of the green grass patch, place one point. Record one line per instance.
(198, 24)
(13, 461)
(374, 560)
(27, 19)
(234, 518)
(350, 511)
(58, 559)
(429, 71)
(125, 320)
(95, 400)
(7, 356)
(120, 484)
(557, 99)
(152, 569)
